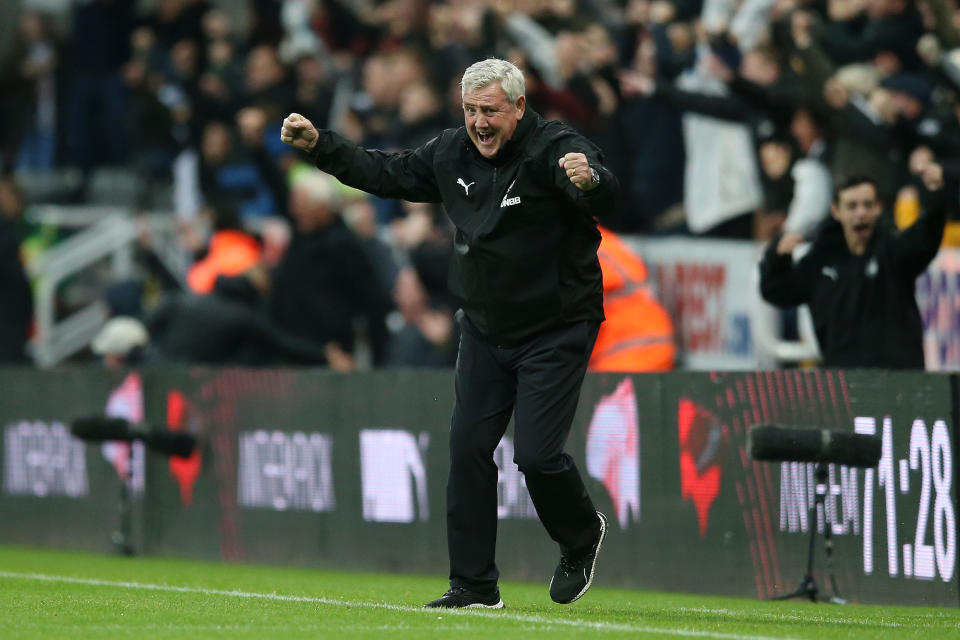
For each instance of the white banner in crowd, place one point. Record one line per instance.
(705, 285)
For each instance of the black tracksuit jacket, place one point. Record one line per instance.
(525, 248)
(864, 307)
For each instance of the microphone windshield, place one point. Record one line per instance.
(101, 427)
(771, 443)
(170, 443)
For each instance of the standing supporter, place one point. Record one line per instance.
(653, 132)
(858, 277)
(28, 97)
(229, 176)
(96, 102)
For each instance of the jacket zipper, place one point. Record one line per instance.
(493, 191)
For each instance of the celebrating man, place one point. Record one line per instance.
(859, 276)
(522, 193)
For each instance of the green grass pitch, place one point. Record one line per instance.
(59, 594)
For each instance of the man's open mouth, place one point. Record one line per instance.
(484, 137)
(863, 226)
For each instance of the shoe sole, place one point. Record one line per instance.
(480, 605)
(593, 565)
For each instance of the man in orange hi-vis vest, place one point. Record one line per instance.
(230, 252)
(638, 332)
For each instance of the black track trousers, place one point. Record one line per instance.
(539, 382)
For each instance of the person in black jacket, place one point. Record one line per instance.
(522, 193)
(16, 299)
(858, 277)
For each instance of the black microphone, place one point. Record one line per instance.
(770, 443)
(98, 428)
(162, 441)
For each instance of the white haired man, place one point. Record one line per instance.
(523, 194)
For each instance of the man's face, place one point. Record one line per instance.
(490, 118)
(857, 211)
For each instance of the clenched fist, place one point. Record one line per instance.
(579, 171)
(788, 242)
(298, 132)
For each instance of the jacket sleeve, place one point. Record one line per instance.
(917, 245)
(728, 107)
(597, 201)
(407, 174)
(811, 196)
(781, 282)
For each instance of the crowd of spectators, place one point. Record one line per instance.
(722, 118)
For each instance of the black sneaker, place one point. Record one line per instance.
(460, 598)
(573, 577)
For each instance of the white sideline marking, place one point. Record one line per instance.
(517, 617)
(796, 617)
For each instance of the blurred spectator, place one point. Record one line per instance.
(858, 277)
(427, 336)
(777, 156)
(426, 234)
(15, 107)
(638, 333)
(230, 252)
(862, 137)
(28, 97)
(159, 111)
(266, 83)
(654, 132)
(266, 21)
(98, 46)
(121, 341)
(16, 299)
(326, 281)
(361, 218)
(174, 21)
(423, 331)
(228, 176)
(884, 31)
(908, 205)
(315, 86)
(214, 329)
(219, 84)
(420, 114)
(811, 178)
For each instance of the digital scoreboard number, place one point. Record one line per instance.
(919, 477)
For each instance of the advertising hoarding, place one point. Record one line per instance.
(349, 471)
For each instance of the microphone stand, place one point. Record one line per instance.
(123, 538)
(808, 585)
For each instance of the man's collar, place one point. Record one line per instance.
(515, 143)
